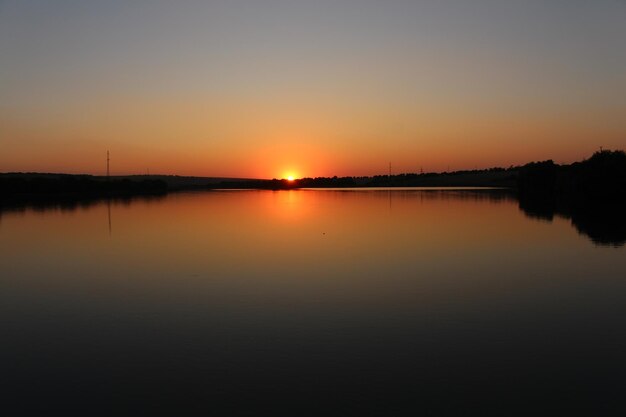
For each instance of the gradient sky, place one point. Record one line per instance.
(270, 88)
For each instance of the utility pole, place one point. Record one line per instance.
(389, 169)
(107, 165)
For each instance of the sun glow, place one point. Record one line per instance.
(290, 178)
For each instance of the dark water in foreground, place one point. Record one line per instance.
(257, 303)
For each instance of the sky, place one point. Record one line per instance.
(270, 88)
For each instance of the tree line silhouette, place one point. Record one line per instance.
(55, 184)
(492, 177)
(592, 193)
(603, 176)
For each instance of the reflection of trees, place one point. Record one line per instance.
(494, 195)
(540, 209)
(603, 223)
(67, 203)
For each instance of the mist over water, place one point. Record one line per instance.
(371, 302)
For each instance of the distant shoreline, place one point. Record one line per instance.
(603, 176)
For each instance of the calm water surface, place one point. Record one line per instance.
(405, 302)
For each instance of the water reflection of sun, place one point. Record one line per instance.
(287, 206)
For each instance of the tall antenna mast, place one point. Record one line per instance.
(107, 165)
(389, 169)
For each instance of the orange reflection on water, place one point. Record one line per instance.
(288, 245)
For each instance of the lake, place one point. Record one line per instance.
(322, 302)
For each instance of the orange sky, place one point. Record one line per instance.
(271, 88)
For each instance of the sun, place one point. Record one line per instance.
(289, 175)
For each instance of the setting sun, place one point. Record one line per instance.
(290, 178)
